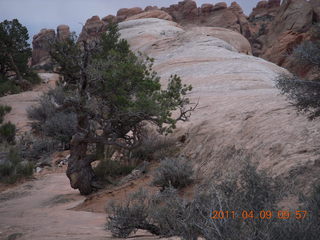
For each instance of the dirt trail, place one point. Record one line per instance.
(42, 209)
(38, 210)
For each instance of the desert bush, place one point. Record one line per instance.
(50, 121)
(7, 86)
(8, 132)
(14, 168)
(153, 147)
(3, 111)
(304, 95)
(32, 77)
(107, 169)
(61, 126)
(308, 52)
(175, 172)
(305, 229)
(34, 148)
(168, 214)
(130, 216)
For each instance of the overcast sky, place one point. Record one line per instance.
(38, 14)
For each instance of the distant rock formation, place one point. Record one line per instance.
(63, 32)
(93, 27)
(124, 13)
(277, 30)
(209, 15)
(151, 14)
(41, 42)
(273, 29)
(40, 46)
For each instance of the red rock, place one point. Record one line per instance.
(92, 29)
(109, 18)
(185, 11)
(150, 8)
(206, 8)
(40, 46)
(219, 6)
(236, 8)
(63, 32)
(151, 14)
(124, 13)
(274, 3)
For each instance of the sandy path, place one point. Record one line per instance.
(22, 101)
(39, 210)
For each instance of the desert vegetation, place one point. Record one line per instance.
(106, 97)
(168, 213)
(15, 73)
(173, 172)
(304, 94)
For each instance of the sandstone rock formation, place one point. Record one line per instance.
(218, 15)
(185, 13)
(41, 43)
(124, 13)
(93, 27)
(273, 30)
(151, 14)
(63, 32)
(276, 30)
(239, 107)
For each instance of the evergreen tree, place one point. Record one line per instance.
(15, 50)
(113, 93)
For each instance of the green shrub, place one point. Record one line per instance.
(3, 111)
(32, 77)
(130, 216)
(173, 172)
(303, 94)
(6, 169)
(13, 168)
(37, 148)
(51, 122)
(108, 168)
(153, 147)
(61, 126)
(168, 214)
(8, 132)
(8, 87)
(24, 169)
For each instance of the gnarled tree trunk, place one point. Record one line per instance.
(79, 171)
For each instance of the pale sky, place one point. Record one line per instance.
(38, 14)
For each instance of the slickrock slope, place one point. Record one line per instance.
(38, 210)
(238, 103)
(22, 101)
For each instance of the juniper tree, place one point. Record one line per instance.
(113, 93)
(15, 49)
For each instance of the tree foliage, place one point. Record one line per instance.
(303, 94)
(15, 50)
(113, 93)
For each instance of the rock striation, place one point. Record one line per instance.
(239, 107)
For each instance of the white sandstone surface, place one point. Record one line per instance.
(238, 103)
